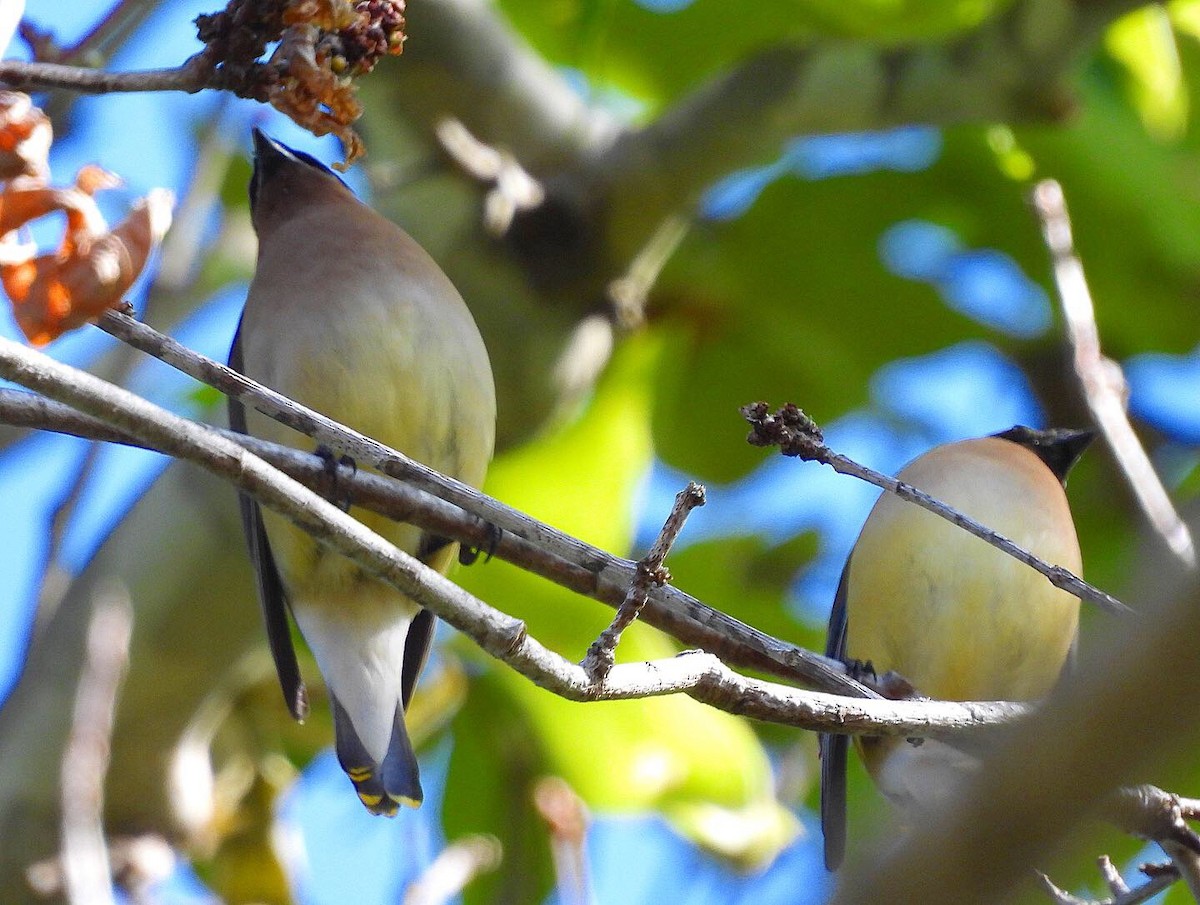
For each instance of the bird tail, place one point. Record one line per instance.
(362, 653)
(834, 750)
(381, 786)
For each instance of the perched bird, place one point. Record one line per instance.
(957, 618)
(349, 316)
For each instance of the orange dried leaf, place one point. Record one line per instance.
(91, 179)
(17, 268)
(25, 136)
(19, 206)
(52, 294)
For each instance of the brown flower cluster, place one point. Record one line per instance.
(323, 46)
(93, 266)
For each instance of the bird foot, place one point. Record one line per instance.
(468, 556)
(339, 489)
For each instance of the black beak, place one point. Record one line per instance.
(265, 147)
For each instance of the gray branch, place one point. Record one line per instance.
(700, 675)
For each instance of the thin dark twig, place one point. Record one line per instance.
(651, 573)
(798, 435)
(111, 29)
(1101, 378)
(54, 580)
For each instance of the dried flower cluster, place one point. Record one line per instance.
(323, 46)
(93, 266)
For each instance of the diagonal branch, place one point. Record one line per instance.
(798, 435)
(724, 636)
(403, 502)
(700, 675)
(651, 573)
(1101, 378)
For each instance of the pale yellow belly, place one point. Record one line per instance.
(387, 374)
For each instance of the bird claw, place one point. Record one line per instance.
(468, 556)
(339, 490)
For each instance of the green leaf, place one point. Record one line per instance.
(656, 57)
(1144, 44)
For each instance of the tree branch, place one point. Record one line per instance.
(1144, 893)
(700, 675)
(402, 502)
(1101, 378)
(723, 635)
(194, 75)
(1054, 770)
(86, 871)
(1012, 68)
(651, 573)
(798, 435)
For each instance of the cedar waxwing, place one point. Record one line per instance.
(957, 618)
(349, 316)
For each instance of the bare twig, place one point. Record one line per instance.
(456, 865)
(194, 75)
(1187, 863)
(96, 44)
(108, 33)
(699, 675)
(669, 609)
(651, 573)
(1101, 378)
(1149, 813)
(177, 253)
(511, 188)
(86, 867)
(566, 817)
(630, 292)
(399, 501)
(1154, 814)
(1144, 893)
(1112, 877)
(54, 581)
(798, 435)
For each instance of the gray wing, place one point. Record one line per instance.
(834, 748)
(271, 593)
